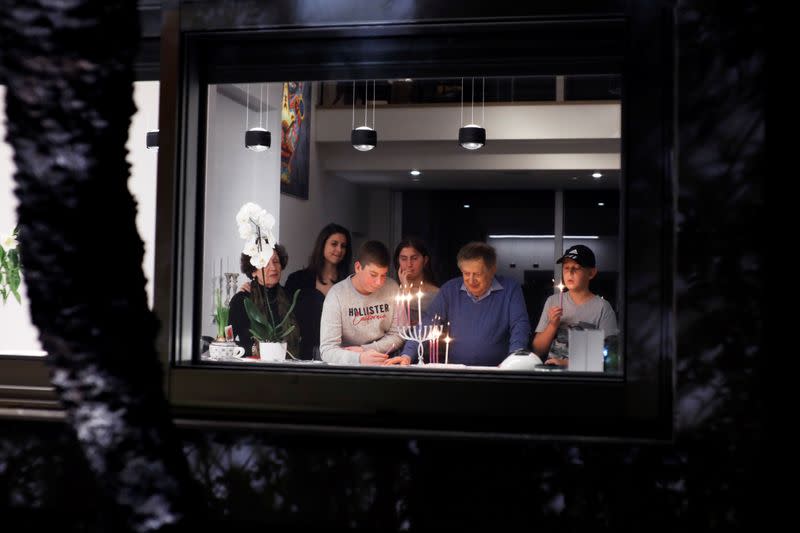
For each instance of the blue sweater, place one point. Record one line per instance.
(483, 332)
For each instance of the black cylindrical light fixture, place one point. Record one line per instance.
(257, 139)
(471, 136)
(364, 138)
(152, 140)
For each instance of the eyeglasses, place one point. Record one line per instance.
(572, 270)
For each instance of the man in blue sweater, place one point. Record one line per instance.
(487, 314)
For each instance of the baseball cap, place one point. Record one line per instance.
(580, 254)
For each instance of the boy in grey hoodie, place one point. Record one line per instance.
(358, 325)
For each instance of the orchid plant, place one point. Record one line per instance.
(10, 275)
(255, 227)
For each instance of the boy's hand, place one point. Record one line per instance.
(402, 360)
(554, 315)
(371, 357)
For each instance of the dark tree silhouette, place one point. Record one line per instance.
(68, 68)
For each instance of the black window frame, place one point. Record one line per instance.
(197, 51)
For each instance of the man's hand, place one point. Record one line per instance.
(371, 357)
(557, 362)
(401, 360)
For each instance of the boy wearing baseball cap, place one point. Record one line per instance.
(581, 309)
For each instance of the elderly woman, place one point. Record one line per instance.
(267, 282)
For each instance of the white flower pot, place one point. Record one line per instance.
(272, 351)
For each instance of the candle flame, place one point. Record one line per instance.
(560, 286)
(447, 339)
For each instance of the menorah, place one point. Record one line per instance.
(420, 334)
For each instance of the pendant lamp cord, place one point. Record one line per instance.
(472, 101)
(461, 124)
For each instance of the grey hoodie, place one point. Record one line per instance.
(350, 318)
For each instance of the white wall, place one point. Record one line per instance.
(144, 165)
(17, 333)
(505, 121)
(330, 199)
(235, 176)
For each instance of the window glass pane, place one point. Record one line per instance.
(506, 193)
(19, 336)
(591, 219)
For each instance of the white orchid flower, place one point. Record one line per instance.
(247, 232)
(270, 238)
(265, 221)
(250, 249)
(9, 242)
(261, 258)
(247, 212)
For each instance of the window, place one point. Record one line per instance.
(199, 170)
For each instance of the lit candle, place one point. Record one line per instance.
(561, 297)
(419, 304)
(447, 347)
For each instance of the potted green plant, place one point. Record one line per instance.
(270, 334)
(222, 348)
(10, 268)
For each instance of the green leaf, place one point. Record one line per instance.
(289, 311)
(13, 280)
(254, 313)
(286, 333)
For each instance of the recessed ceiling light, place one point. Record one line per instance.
(415, 172)
(597, 175)
(466, 206)
(601, 204)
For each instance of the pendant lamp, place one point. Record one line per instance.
(257, 139)
(364, 138)
(152, 140)
(472, 136)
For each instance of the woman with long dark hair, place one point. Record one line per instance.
(413, 264)
(329, 263)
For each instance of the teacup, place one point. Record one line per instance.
(224, 350)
